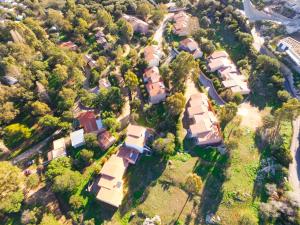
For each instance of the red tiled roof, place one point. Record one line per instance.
(88, 121)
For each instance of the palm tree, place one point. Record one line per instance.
(193, 185)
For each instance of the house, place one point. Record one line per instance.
(157, 92)
(151, 74)
(106, 140)
(191, 46)
(104, 83)
(204, 127)
(154, 85)
(59, 149)
(292, 49)
(152, 55)
(181, 24)
(77, 138)
(8, 80)
(90, 61)
(111, 181)
(111, 175)
(232, 78)
(89, 122)
(136, 137)
(69, 45)
(138, 25)
(130, 154)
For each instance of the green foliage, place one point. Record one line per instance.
(32, 181)
(76, 202)
(165, 146)
(193, 184)
(40, 108)
(125, 30)
(67, 182)
(91, 141)
(110, 100)
(11, 183)
(175, 103)
(86, 156)
(15, 133)
(131, 80)
(112, 124)
(227, 113)
(57, 167)
(49, 219)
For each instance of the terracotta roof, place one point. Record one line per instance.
(218, 54)
(151, 52)
(189, 44)
(88, 121)
(106, 140)
(69, 44)
(155, 89)
(152, 74)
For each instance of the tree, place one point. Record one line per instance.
(40, 108)
(57, 167)
(101, 63)
(86, 156)
(205, 22)
(49, 121)
(193, 184)
(91, 141)
(49, 219)
(143, 10)
(8, 112)
(112, 124)
(208, 47)
(104, 18)
(32, 181)
(67, 98)
(61, 72)
(11, 183)
(15, 133)
(288, 112)
(67, 182)
(267, 64)
(30, 216)
(131, 80)
(165, 146)
(181, 66)
(158, 13)
(175, 104)
(283, 95)
(125, 30)
(227, 113)
(76, 202)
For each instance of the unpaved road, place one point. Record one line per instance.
(294, 169)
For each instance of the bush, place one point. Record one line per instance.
(32, 181)
(76, 202)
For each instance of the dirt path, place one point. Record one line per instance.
(251, 116)
(34, 150)
(294, 169)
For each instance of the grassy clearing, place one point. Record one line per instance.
(239, 185)
(154, 188)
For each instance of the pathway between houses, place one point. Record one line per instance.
(209, 87)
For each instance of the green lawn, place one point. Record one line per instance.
(154, 188)
(239, 185)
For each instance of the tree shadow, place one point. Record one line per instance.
(139, 178)
(212, 168)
